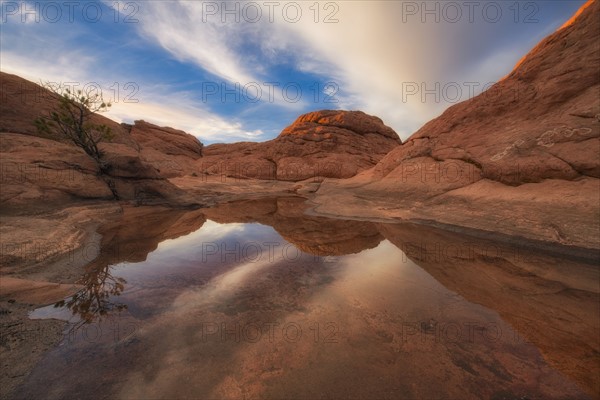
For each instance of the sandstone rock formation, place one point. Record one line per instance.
(172, 152)
(49, 170)
(45, 169)
(522, 158)
(328, 143)
(23, 101)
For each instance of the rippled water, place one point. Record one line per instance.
(256, 300)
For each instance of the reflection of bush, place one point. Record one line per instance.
(94, 300)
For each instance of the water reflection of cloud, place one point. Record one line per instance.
(380, 258)
(360, 319)
(211, 231)
(193, 249)
(222, 288)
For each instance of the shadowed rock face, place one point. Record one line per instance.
(522, 158)
(333, 144)
(50, 170)
(43, 172)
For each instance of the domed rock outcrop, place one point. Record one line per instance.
(328, 143)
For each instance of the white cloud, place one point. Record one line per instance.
(180, 114)
(210, 232)
(178, 27)
(182, 29)
(356, 52)
(180, 111)
(371, 53)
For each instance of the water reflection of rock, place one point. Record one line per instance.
(552, 302)
(129, 238)
(234, 293)
(311, 234)
(139, 230)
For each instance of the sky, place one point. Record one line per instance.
(228, 71)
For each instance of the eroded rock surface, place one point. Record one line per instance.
(328, 143)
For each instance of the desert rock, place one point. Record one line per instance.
(328, 143)
(522, 158)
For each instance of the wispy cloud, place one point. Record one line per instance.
(179, 113)
(377, 51)
(235, 53)
(59, 59)
(177, 26)
(374, 51)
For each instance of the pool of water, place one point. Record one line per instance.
(256, 300)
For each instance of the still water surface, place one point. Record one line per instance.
(280, 305)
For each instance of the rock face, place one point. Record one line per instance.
(540, 122)
(23, 101)
(36, 170)
(523, 157)
(142, 157)
(333, 144)
(46, 170)
(172, 152)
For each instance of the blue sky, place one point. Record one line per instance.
(232, 71)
